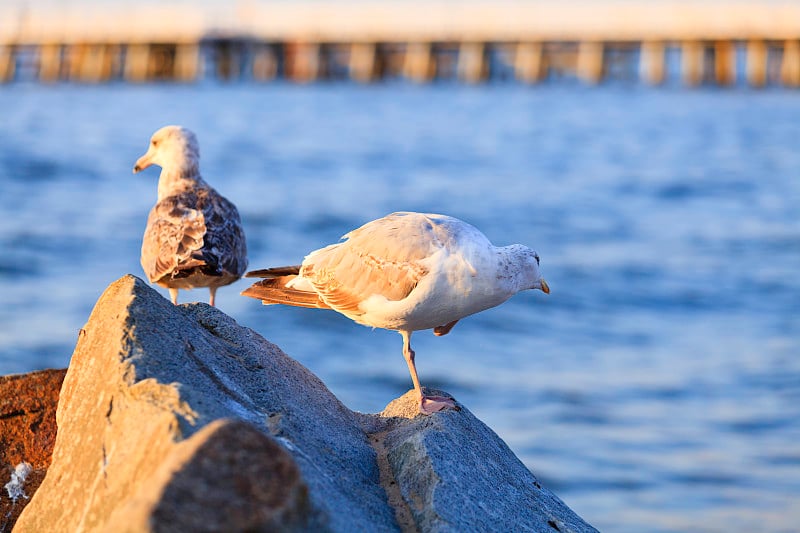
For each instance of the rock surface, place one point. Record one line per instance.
(456, 474)
(27, 433)
(176, 418)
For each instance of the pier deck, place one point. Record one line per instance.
(709, 42)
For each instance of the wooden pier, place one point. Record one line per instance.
(694, 43)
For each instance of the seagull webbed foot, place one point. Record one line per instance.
(433, 404)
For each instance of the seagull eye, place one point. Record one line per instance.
(536, 256)
(154, 142)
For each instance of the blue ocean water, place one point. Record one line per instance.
(657, 388)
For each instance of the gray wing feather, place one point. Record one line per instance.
(194, 229)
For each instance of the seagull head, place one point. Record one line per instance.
(528, 261)
(539, 282)
(173, 148)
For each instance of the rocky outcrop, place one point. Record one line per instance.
(27, 435)
(456, 474)
(176, 418)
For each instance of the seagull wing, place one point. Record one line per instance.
(224, 247)
(193, 230)
(386, 257)
(173, 237)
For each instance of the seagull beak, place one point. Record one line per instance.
(142, 163)
(544, 286)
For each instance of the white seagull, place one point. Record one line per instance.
(406, 272)
(194, 236)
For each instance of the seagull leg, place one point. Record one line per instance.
(427, 404)
(213, 291)
(173, 294)
(444, 330)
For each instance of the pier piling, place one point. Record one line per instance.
(724, 62)
(529, 65)
(7, 64)
(265, 63)
(137, 63)
(50, 62)
(590, 62)
(790, 63)
(652, 60)
(418, 63)
(187, 62)
(362, 62)
(303, 62)
(692, 63)
(472, 65)
(757, 63)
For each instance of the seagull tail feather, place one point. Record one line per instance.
(274, 291)
(274, 272)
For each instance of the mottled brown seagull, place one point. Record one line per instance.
(194, 236)
(406, 272)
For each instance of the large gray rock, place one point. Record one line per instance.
(456, 474)
(176, 418)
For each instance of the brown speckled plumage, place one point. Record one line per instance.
(194, 236)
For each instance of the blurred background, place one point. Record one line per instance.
(647, 149)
